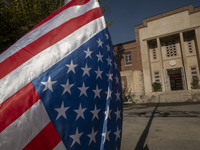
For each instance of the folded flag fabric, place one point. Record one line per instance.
(59, 84)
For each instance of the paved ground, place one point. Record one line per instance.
(161, 127)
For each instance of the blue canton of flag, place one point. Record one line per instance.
(82, 96)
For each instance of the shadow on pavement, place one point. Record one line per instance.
(140, 145)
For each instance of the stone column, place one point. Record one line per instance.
(161, 65)
(185, 65)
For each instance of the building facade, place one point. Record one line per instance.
(168, 48)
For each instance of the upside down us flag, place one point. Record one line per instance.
(59, 84)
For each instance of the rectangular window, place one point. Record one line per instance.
(189, 43)
(171, 48)
(157, 76)
(154, 52)
(194, 71)
(127, 58)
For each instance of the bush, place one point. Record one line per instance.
(127, 96)
(195, 83)
(157, 87)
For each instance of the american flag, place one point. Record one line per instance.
(59, 84)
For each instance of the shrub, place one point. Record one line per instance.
(157, 87)
(195, 83)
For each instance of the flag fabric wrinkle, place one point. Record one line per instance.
(60, 86)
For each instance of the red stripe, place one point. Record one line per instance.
(47, 139)
(49, 39)
(16, 105)
(70, 4)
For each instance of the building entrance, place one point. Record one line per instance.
(175, 78)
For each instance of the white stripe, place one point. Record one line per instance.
(60, 146)
(25, 128)
(47, 58)
(56, 21)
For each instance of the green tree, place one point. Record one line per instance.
(19, 16)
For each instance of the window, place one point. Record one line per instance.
(127, 58)
(154, 52)
(194, 72)
(171, 48)
(189, 43)
(157, 76)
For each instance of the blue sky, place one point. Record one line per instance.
(128, 13)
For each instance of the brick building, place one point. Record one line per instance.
(166, 51)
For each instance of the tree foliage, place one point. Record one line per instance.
(19, 16)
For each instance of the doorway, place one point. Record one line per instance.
(176, 79)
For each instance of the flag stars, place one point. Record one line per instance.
(118, 95)
(76, 137)
(118, 112)
(115, 65)
(99, 57)
(88, 53)
(92, 136)
(80, 112)
(117, 133)
(110, 76)
(97, 92)
(67, 87)
(99, 72)
(61, 111)
(107, 36)
(83, 89)
(109, 61)
(71, 67)
(108, 47)
(100, 43)
(95, 113)
(117, 79)
(86, 70)
(48, 84)
(106, 136)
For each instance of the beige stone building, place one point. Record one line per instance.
(166, 51)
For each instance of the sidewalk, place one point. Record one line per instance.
(174, 126)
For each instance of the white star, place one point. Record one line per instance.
(109, 93)
(48, 84)
(99, 72)
(117, 79)
(86, 70)
(76, 137)
(92, 136)
(80, 112)
(118, 95)
(61, 111)
(117, 133)
(67, 87)
(106, 136)
(100, 43)
(97, 92)
(95, 113)
(118, 114)
(107, 36)
(71, 67)
(99, 57)
(88, 53)
(109, 61)
(108, 114)
(108, 47)
(110, 76)
(83, 90)
(115, 65)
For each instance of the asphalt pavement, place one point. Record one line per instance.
(169, 126)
